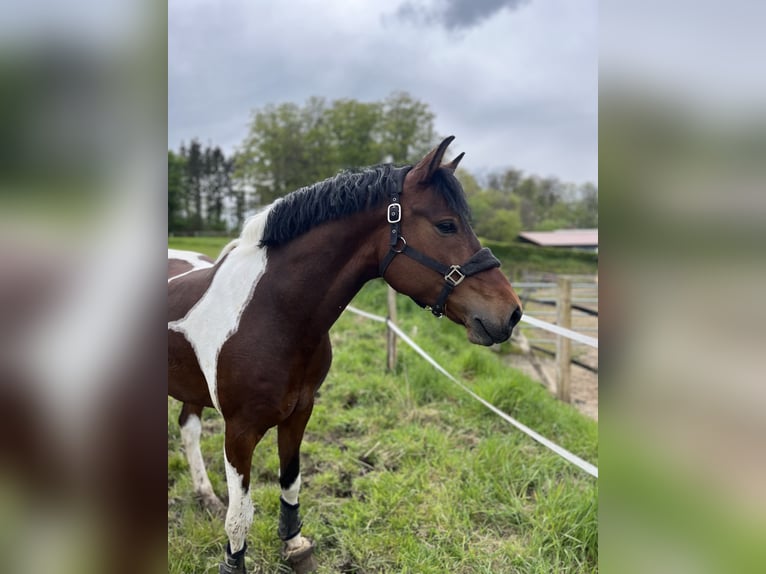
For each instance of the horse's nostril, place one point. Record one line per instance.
(515, 317)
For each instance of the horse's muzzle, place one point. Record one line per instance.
(485, 331)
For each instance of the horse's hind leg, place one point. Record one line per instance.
(190, 422)
(297, 550)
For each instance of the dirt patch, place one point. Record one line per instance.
(583, 383)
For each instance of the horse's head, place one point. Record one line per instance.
(434, 256)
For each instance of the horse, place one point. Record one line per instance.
(248, 332)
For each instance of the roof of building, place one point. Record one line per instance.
(562, 237)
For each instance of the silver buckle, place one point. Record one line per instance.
(455, 281)
(404, 245)
(394, 213)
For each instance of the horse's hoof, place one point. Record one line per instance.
(224, 568)
(304, 565)
(234, 563)
(300, 559)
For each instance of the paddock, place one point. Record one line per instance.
(402, 472)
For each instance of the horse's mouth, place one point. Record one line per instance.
(481, 334)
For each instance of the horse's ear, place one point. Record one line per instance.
(452, 166)
(426, 167)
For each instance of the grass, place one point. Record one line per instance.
(403, 472)
(515, 257)
(210, 246)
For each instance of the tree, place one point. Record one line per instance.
(492, 216)
(201, 188)
(506, 181)
(271, 159)
(471, 187)
(289, 146)
(176, 192)
(318, 156)
(512, 202)
(195, 168)
(407, 128)
(586, 212)
(217, 186)
(502, 225)
(548, 196)
(239, 210)
(354, 132)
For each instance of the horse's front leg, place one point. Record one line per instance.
(297, 549)
(238, 456)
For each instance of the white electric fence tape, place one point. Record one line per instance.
(568, 333)
(562, 452)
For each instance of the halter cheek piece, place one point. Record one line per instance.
(453, 275)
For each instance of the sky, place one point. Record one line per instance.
(516, 81)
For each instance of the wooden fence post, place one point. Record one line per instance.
(563, 344)
(390, 335)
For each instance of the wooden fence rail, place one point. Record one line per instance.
(572, 299)
(565, 307)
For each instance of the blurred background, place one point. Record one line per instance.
(82, 205)
(681, 141)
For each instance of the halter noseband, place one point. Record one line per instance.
(453, 275)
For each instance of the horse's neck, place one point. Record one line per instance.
(319, 273)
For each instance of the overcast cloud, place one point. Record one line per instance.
(453, 14)
(515, 80)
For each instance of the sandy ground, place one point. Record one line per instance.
(584, 384)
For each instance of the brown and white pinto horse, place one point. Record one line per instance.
(248, 333)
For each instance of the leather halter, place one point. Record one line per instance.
(453, 275)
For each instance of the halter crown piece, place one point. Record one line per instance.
(453, 275)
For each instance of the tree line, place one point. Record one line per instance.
(289, 146)
(510, 202)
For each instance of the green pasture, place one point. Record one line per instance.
(210, 246)
(516, 257)
(403, 472)
(520, 257)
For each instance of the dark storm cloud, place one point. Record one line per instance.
(455, 14)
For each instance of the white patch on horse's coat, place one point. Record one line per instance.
(228, 247)
(190, 434)
(192, 258)
(252, 231)
(174, 277)
(290, 494)
(215, 317)
(239, 515)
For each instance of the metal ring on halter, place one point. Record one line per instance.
(404, 245)
(455, 276)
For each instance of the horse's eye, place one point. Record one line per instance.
(446, 227)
